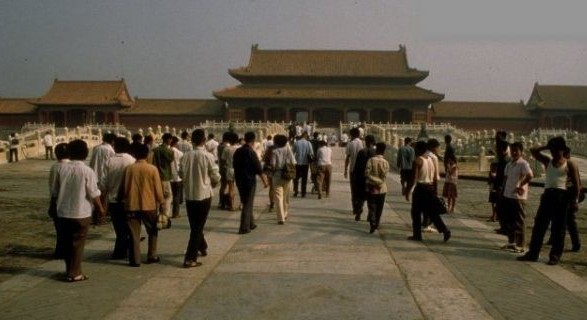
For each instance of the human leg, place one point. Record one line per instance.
(149, 219)
(197, 212)
(79, 228)
(134, 228)
(120, 226)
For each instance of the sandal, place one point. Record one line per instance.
(191, 264)
(81, 277)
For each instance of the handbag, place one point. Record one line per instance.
(439, 205)
(288, 171)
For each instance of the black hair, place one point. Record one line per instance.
(420, 148)
(61, 151)
(121, 145)
(137, 137)
(198, 136)
(250, 137)
(141, 152)
(380, 147)
(166, 137)
(517, 145)
(279, 140)
(432, 143)
(370, 139)
(108, 137)
(148, 139)
(78, 150)
(448, 138)
(184, 135)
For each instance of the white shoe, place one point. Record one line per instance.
(430, 229)
(508, 246)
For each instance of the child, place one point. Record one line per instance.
(515, 193)
(449, 190)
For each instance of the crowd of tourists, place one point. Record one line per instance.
(139, 184)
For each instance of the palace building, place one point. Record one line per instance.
(328, 87)
(325, 86)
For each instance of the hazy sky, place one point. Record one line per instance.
(474, 49)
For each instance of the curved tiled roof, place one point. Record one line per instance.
(558, 97)
(328, 63)
(86, 93)
(480, 110)
(165, 107)
(16, 106)
(329, 92)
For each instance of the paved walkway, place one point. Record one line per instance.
(320, 265)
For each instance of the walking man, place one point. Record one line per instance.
(200, 175)
(48, 143)
(246, 168)
(304, 155)
(351, 151)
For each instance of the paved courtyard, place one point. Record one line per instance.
(320, 265)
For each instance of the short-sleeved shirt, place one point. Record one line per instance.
(76, 187)
(515, 171)
(351, 151)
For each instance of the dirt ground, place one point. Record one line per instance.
(28, 234)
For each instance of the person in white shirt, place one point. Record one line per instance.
(212, 146)
(433, 147)
(77, 190)
(351, 151)
(200, 175)
(48, 143)
(176, 182)
(110, 185)
(184, 145)
(100, 154)
(324, 159)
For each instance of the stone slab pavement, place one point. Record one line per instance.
(320, 265)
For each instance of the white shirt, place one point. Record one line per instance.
(515, 171)
(185, 146)
(199, 171)
(177, 155)
(324, 156)
(53, 173)
(352, 149)
(48, 140)
(113, 173)
(212, 147)
(435, 160)
(76, 187)
(100, 154)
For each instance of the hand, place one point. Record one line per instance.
(520, 191)
(407, 196)
(346, 174)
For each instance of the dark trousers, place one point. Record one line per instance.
(149, 219)
(222, 199)
(48, 153)
(301, 173)
(572, 228)
(247, 195)
(552, 208)
(358, 193)
(513, 215)
(120, 225)
(375, 204)
(13, 155)
(177, 191)
(73, 234)
(197, 212)
(421, 203)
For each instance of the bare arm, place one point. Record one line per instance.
(537, 154)
(416, 166)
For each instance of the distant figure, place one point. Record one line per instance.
(212, 146)
(449, 190)
(48, 143)
(449, 152)
(324, 161)
(14, 142)
(163, 159)
(351, 151)
(77, 190)
(281, 155)
(227, 161)
(137, 140)
(375, 174)
(358, 175)
(184, 145)
(176, 181)
(304, 156)
(405, 159)
(423, 134)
